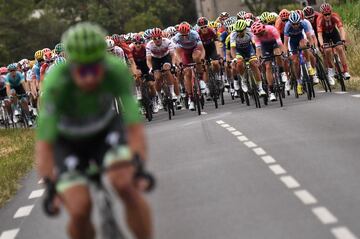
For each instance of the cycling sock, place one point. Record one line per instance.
(308, 64)
(345, 67)
(271, 88)
(299, 81)
(281, 69)
(235, 77)
(172, 89)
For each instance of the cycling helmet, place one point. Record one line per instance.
(184, 28)
(325, 8)
(294, 17)
(3, 70)
(301, 14)
(202, 21)
(147, 34)
(271, 19)
(309, 11)
(12, 67)
(165, 34)
(59, 48)
(59, 60)
(224, 15)
(84, 43)
(48, 56)
(172, 31)
(156, 32)
(213, 25)
(38, 55)
(230, 21)
(24, 63)
(241, 15)
(116, 38)
(240, 25)
(249, 22)
(249, 15)
(284, 14)
(257, 28)
(110, 44)
(264, 16)
(46, 50)
(138, 39)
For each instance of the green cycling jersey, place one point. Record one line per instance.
(71, 112)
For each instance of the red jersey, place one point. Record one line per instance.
(328, 26)
(208, 37)
(313, 20)
(138, 55)
(126, 49)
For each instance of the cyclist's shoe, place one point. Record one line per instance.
(300, 89)
(316, 79)
(30, 123)
(16, 112)
(174, 96)
(284, 77)
(312, 71)
(236, 85)
(161, 106)
(155, 107)
(261, 91)
(15, 119)
(191, 105)
(138, 95)
(178, 105)
(10, 121)
(287, 85)
(272, 97)
(331, 74)
(347, 75)
(202, 86)
(244, 86)
(236, 94)
(226, 83)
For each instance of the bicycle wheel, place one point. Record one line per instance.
(222, 97)
(277, 88)
(322, 73)
(306, 81)
(168, 107)
(341, 77)
(254, 89)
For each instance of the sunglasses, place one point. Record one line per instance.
(203, 27)
(327, 14)
(137, 43)
(157, 38)
(12, 70)
(241, 31)
(295, 24)
(84, 70)
(285, 20)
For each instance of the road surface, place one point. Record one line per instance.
(239, 172)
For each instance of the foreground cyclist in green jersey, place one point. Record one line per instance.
(78, 125)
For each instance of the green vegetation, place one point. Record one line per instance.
(350, 13)
(27, 26)
(16, 159)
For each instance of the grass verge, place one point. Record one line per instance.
(16, 159)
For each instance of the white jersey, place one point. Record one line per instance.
(159, 51)
(119, 52)
(29, 75)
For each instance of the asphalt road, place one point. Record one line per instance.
(240, 172)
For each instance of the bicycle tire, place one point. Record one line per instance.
(168, 107)
(222, 97)
(323, 75)
(341, 77)
(306, 81)
(254, 89)
(277, 87)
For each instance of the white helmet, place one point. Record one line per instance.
(110, 44)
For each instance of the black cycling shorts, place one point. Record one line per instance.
(210, 52)
(142, 66)
(157, 63)
(333, 37)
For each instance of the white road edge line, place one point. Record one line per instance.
(290, 182)
(36, 193)
(306, 197)
(340, 92)
(277, 169)
(9, 234)
(343, 233)
(324, 215)
(23, 211)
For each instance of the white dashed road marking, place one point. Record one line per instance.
(242, 138)
(250, 144)
(340, 92)
(220, 122)
(277, 169)
(24, 211)
(41, 181)
(10, 234)
(236, 133)
(324, 215)
(356, 96)
(36, 193)
(343, 233)
(268, 159)
(290, 182)
(305, 197)
(231, 129)
(259, 151)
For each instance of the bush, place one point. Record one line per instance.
(349, 12)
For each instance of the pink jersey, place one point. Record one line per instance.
(271, 35)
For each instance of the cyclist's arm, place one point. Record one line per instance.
(8, 90)
(233, 52)
(44, 155)
(132, 65)
(286, 44)
(342, 33)
(320, 38)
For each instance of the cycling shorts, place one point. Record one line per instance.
(246, 53)
(333, 37)
(3, 93)
(210, 52)
(186, 54)
(267, 48)
(73, 157)
(295, 42)
(19, 90)
(157, 63)
(142, 66)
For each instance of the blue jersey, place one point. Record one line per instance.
(36, 70)
(290, 31)
(187, 42)
(2, 82)
(16, 81)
